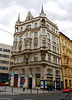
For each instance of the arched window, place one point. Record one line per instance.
(37, 70)
(22, 71)
(21, 29)
(19, 59)
(16, 71)
(49, 71)
(35, 24)
(30, 71)
(43, 21)
(57, 72)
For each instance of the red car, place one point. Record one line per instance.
(2, 84)
(67, 90)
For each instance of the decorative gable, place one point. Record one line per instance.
(29, 16)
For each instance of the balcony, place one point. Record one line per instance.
(27, 29)
(64, 54)
(65, 65)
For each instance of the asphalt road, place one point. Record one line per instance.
(49, 96)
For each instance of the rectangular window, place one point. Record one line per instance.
(35, 35)
(20, 38)
(43, 31)
(24, 59)
(48, 35)
(58, 61)
(49, 58)
(35, 46)
(35, 57)
(48, 46)
(26, 35)
(57, 50)
(29, 59)
(25, 46)
(57, 41)
(29, 46)
(30, 35)
(19, 59)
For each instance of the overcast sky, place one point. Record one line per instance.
(58, 11)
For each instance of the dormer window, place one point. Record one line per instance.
(35, 24)
(21, 29)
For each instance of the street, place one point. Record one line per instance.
(47, 96)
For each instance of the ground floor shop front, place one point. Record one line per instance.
(4, 77)
(37, 77)
(67, 82)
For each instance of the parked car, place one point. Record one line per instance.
(2, 84)
(67, 90)
(67, 97)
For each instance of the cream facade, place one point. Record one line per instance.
(5, 61)
(36, 53)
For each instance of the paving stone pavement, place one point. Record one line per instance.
(27, 91)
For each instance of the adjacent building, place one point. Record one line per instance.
(36, 53)
(66, 56)
(5, 61)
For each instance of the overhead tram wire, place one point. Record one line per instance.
(6, 31)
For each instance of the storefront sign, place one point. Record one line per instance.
(23, 80)
(12, 73)
(42, 84)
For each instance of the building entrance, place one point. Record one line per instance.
(15, 80)
(30, 83)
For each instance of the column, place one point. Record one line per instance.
(54, 81)
(34, 78)
(26, 77)
(33, 82)
(12, 81)
(26, 82)
(19, 80)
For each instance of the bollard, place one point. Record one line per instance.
(31, 91)
(43, 90)
(12, 89)
(5, 87)
(37, 90)
(23, 89)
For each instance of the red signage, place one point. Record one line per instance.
(23, 80)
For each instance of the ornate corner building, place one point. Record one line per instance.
(36, 53)
(66, 55)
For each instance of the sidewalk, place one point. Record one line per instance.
(27, 91)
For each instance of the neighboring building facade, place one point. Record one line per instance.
(66, 55)
(5, 61)
(36, 53)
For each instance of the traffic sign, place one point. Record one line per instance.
(23, 80)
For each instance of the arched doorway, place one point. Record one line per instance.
(38, 77)
(30, 82)
(16, 77)
(57, 79)
(50, 77)
(30, 78)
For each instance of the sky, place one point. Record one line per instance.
(57, 11)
